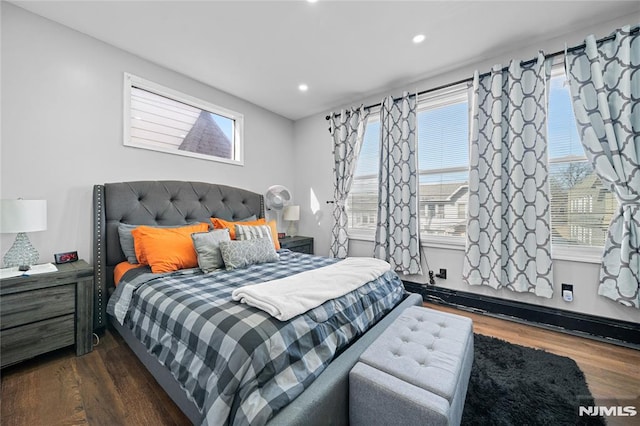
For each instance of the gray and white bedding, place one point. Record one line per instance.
(239, 364)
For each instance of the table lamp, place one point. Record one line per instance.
(22, 216)
(292, 214)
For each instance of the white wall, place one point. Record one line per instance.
(62, 129)
(314, 163)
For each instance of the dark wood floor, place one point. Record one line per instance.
(109, 386)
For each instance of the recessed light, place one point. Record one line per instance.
(303, 87)
(312, 1)
(419, 38)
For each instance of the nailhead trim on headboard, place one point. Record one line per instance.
(100, 304)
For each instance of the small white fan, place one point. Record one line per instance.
(275, 199)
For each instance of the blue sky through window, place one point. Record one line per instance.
(562, 131)
(225, 124)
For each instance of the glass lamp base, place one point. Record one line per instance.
(21, 253)
(292, 231)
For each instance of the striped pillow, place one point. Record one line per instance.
(251, 232)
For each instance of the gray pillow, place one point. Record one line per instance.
(207, 245)
(243, 253)
(126, 239)
(126, 242)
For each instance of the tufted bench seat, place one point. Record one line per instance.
(415, 373)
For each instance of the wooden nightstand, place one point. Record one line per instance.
(299, 244)
(43, 312)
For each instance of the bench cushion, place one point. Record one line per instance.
(417, 371)
(423, 347)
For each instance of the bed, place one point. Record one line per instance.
(321, 394)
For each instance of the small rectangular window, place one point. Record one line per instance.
(161, 119)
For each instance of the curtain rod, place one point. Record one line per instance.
(530, 61)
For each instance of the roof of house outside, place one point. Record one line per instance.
(445, 192)
(206, 137)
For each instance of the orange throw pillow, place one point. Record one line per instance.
(166, 249)
(231, 226)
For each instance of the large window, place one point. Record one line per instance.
(443, 161)
(362, 203)
(581, 207)
(162, 119)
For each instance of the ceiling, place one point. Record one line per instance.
(343, 50)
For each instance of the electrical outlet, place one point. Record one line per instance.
(567, 292)
(442, 274)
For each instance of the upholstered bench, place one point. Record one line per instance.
(415, 373)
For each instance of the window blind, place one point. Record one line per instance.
(581, 207)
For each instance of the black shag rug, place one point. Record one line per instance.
(516, 385)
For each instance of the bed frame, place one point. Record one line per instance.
(177, 203)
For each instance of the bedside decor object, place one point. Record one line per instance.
(41, 268)
(22, 216)
(292, 214)
(70, 256)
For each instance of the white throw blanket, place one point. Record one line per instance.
(287, 297)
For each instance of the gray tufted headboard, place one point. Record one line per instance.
(155, 203)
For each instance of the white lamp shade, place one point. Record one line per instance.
(291, 213)
(23, 216)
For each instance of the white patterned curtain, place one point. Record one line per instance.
(398, 229)
(509, 227)
(605, 89)
(347, 131)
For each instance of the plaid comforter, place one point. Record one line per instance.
(237, 363)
